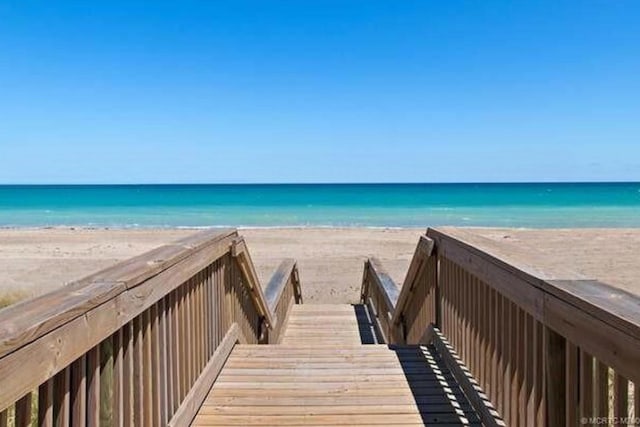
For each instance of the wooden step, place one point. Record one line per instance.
(322, 373)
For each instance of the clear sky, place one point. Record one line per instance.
(319, 91)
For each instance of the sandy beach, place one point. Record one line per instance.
(34, 261)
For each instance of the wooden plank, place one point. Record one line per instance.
(620, 396)
(197, 394)
(79, 392)
(118, 378)
(325, 420)
(608, 344)
(34, 361)
(147, 373)
(45, 404)
(372, 411)
(174, 354)
(555, 363)
(93, 387)
(572, 385)
(601, 386)
(436, 401)
(466, 381)
(61, 398)
(154, 363)
(424, 250)
(23, 411)
(26, 321)
(138, 379)
(163, 373)
(128, 375)
(277, 283)
(387, 287)
(106, 382)
(586, 385)
(503, 265)
(248, 272)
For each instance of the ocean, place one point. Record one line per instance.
(533, 205)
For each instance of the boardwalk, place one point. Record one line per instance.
(478, 332)
(326, 373)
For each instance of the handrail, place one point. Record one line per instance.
(380, 293)
(25, 321)
(149, 335)
(277, 283)
(540, 339)
(423, 251)
(240, 251)
(281, 292)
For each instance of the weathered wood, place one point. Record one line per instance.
(316, 392)
(197, 394)
(572, 384)
(23, 411)
(45, 404)
(127, 345)
(79, 392)
(423, 251)
(586, 385)
(61, 398)
(28, 320)
(34, 359)
(249, 274)
(388, 288)
(93, 387)
(620, 396)
(555, 378)
(601, 396)
(466, 381)
(277, 283)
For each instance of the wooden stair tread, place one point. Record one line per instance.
(322, 374)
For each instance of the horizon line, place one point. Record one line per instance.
(97, 184)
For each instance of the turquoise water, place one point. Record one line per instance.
(384, 205)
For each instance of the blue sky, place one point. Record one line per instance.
(319, 91)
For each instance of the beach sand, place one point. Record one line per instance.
(34, 261)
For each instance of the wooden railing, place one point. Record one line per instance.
(139, 343)
(548, 346)
(282, 291)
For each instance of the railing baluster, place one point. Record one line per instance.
(163, 371)
(93, 387)
(175, 353)
(45, 404)
(601, 385)
(138, 371)
(61, 398)
(620, 396)
(149, 327)
(128, 374)
(636, 400)
(118, 379)
(154, 360)
(586, 385)
(79, 392)
(572, 384)
(555, 362)
(23, 411)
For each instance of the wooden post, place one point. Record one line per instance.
(555, 359)
(438, 300)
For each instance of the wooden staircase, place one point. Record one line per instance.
(329, 370)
